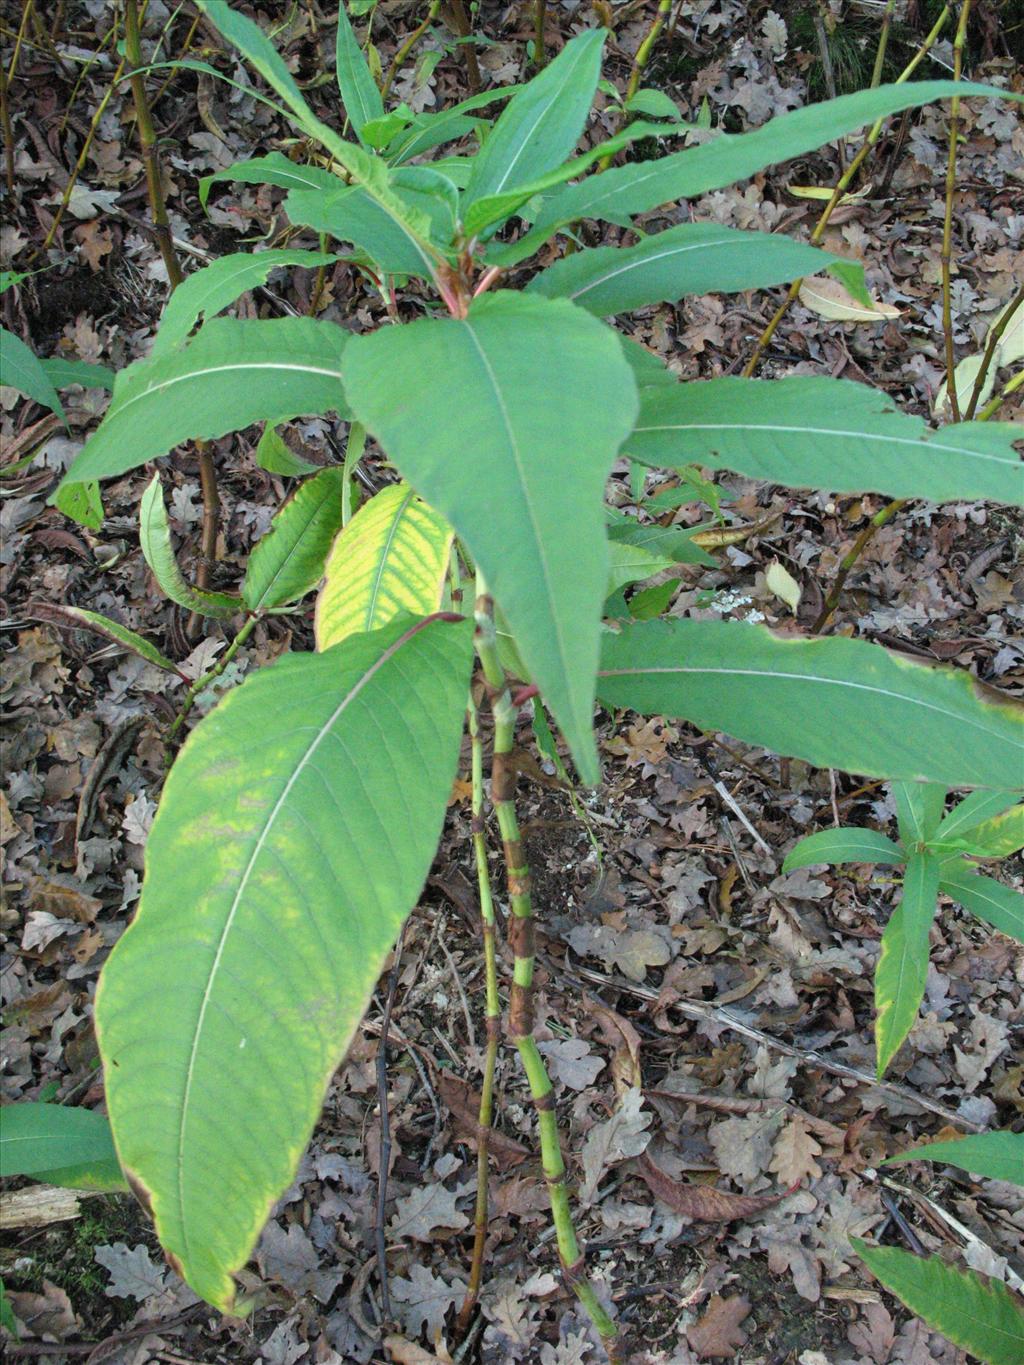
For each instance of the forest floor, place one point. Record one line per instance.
(693, 1002)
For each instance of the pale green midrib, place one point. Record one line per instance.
(377, 573)
(264, 834)
(540, 542)
(908, 954)
(199, 306)
(163, 385)
(294, 548)
(640, 262)
(926, 443)
(798, 677)
(526, 137)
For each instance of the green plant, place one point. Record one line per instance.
(279, 872)
(60, 1145)
(972, 1310)
(933, 847)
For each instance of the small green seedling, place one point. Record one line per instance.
(936, 850)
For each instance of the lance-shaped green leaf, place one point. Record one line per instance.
(82, 502)
(835, 703)
(21, 370)
(275, 456)
(79, 618)
(619, 193)
(295, 832)
(632, 564)
(812, 432)
(208, 291)
(902, 968)
(996, 1156)
(693, 258)
(919, 808)
(289, 560)
(973, 1311)
(369, 170)
(972, 811)
(155, 539)
(836, 846)
(59, 1144)
(674, 542)
(358, 89)
(427, 130)
(1000, 837)
(991, 901)
(272, 169)
(62, 373)
(540, 126)
(392, 557)
(233, 374)
(482, 418)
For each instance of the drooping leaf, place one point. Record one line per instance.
(479, 417)
(837, 846)
(272, 169)
(919, 808)
(973, 1311)
(358, 89)
(674, 542)
(392, 557)
(289, 560)
(693, 258)
(991, 901)
(902, 968)
(215, 287)
(21, 370)
(833, 702)
(290, 844)
(619, 193)
(812, 432)
(82, 502)
(997, 1156)
(60, 1144)
(275, 456)
(233, 374)
(78, 617)
(155, 539)
(63, 373)
(540, 126)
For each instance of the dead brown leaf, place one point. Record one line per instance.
(718, 1334)
(704, 1203)
(463, 1103)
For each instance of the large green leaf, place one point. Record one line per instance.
(59, 1144)
(973, 1311)
(21, 370)
(997, 1156)
(158, 551)
(233, 374)
(919, 807)
(208, 291)
(1000, 837)
(61, 373)
(486, 422)
(811, 432)
(293, 837)
(974, 810)
(619, 193)
(392, 557)
(289, 560)
(272, 169)
(694, 258)
(359, 92)
(902, 967)
(834, 846)
(836, 703)
(541, 125)
(991, 901)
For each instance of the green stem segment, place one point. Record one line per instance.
(643, 56)
(842, 184)
(521, 936)
(946, 257)
(204, 681)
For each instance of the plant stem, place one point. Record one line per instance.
(492, 1015)
(994, 337)
(852, 556)
(883, 43)
(521, 935)
(840, 189)
(643, 56)
(994, 404)
(540, 14)
(464, 30)
(946, 256)
(204, 681)
(410, 42)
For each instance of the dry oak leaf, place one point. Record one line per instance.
(48, 1315)
(421, 1213)
(621, 1136)
(463, 1103)
(571, 1061)
(743, 1146)
(703, 1203)
(425, 1299)
(132, 1272)
(718, 1335)
(793, 1156)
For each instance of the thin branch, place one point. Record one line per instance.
(946, 257)
(994, 338)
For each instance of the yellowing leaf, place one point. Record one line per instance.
(830, 300)
(823, 192)
(781, 582)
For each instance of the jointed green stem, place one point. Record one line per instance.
(946, 257)
(521, 934)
